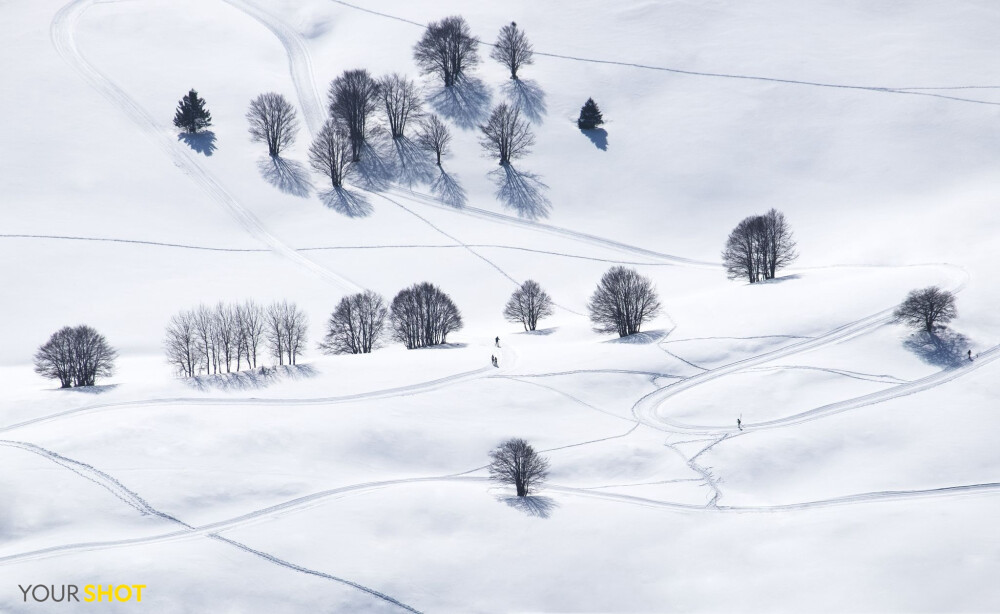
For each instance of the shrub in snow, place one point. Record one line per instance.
(76, 357)
(423, 315)
(622, 302)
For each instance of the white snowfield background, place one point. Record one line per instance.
(867, 477)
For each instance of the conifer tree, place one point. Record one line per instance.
(191, 113)
(590, 116)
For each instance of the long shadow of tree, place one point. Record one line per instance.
(521, 191)
(346, 202)
(944, 348)
(289, 176)
(447, 189)
(202, 142)
(413, 165)
(528, 95)
(467, 103)
(597, 136)
(532, 505)
(376, 170)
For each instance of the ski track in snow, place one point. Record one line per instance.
(61, 32)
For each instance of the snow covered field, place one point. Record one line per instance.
(866, 477)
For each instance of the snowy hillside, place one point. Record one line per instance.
(863, 476)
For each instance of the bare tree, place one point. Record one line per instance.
(515, 462)
(204, 326)
(273, 121)
(434, 136)
(927, 308)
(251, 320)
(528, 304)
(330, 153)
(512, 49)
(401, 100)
(285, 331)
(181, 343)
(758, 247)
(423, 315)
(447, 49)
(622, 302)
(354, 96)
(506, 135)
(356, 325)
(76, 356)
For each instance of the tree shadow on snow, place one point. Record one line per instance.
(251, 379)
(642, 338)
(201, 142)
(597, 136)
(541, 332)
(521, 191)
(97, 389)
(944, 348)
(526, 94)
(377, 167)
(346, 202)
(288, 176)
(467, 103)
(448, 190)
(413, 165)
(532, 505)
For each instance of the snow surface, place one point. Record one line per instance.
(866, 476)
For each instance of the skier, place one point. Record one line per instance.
(498, 341)
(970, 355)
(739, 424)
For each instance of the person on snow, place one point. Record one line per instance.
(739, 424)
(498, 341)
(970, 355)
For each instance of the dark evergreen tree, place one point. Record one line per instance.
(590, 116)
(191, 113)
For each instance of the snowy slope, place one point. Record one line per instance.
(865, 478)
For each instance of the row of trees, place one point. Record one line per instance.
(228, 336)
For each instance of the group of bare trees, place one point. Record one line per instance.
(758, 247)
(76, 356)
(622, 302)
(419, 316)
(226, 337)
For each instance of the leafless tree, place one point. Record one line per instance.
(528, 304)
(251, 322)
(515, 462)
(622, 302)
(927, 308)
(285, 331)
(423, 315)
(512, 49)
(356, 325)
(506, 134)
(330, 153)
(434, 136)
(354, 96)
(758, 247)
(204, 326)
(273, 121)
(181, 343)
(227, 335)
(447, 49)
(401, 100)
(76, 356)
